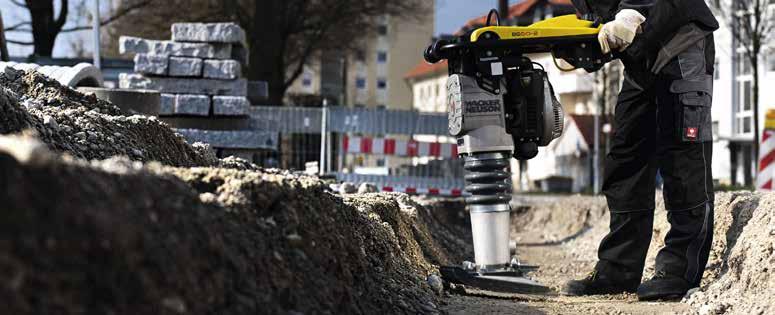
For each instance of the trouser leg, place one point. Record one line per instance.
(684, 157)
(629, 184)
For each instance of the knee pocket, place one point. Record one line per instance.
(693, 121)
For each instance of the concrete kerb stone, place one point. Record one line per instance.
(208, 33)
(232, 139)
(230, 105)
(167, 104)
(222, 69)
(135, 45)
(189, 104)
(185, 67)
(236, 87)
(151, 64)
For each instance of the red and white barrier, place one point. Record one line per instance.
(386, 146)
(766, 160)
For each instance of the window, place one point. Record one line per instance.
(746, 64)
(382, 30)
(382, 57)
(381, 84)
(381, 107)
(306, 82)
(360, 83)
(746, 124)
(360, 55)
(771, 59)
(380, 162)
(747, 95)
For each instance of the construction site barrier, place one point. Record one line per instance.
(767, 154)
(397, 147)
(307, 120)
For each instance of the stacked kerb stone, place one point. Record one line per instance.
(199, 75)
(199, 72)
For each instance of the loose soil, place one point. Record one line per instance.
(107, 213)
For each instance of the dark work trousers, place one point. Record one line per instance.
(665, 127)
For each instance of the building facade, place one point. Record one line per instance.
(732, 111)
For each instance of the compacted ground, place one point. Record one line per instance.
(106, 213)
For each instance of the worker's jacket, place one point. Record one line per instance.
(671, 26)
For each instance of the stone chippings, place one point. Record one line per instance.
(208, 33)
(185, 67)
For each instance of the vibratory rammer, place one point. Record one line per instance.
(501, 104)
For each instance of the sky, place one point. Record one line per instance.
(452, 14)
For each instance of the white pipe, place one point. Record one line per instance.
(96, 33)
(323, 127)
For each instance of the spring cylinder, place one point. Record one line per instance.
(489, 185)
(487, 180)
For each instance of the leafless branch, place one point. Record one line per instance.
(16, 42)
(18, 3)
(111, 19)
(17, 26)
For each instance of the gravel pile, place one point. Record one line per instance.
(84, 126)
(122, 237)
(104, 213)
(738, 278)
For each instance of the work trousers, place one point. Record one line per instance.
(666, 127)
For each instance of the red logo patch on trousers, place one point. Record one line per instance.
(691, 132)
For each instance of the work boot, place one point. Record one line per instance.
(663, 287)
(597, 283)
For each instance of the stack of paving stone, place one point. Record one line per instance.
(199, 76)
(199, 72)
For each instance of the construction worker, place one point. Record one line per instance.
(662, 121)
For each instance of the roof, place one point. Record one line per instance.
(586, 125)
(515, 10)
(426, 69)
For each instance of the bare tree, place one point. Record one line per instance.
(3, 48)
(46, 26)
(751, 22)
(285, 34)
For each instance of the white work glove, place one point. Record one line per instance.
(619, 33)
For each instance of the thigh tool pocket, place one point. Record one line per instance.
(695, 99)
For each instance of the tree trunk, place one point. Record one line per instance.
(268, 64)
(3, 46)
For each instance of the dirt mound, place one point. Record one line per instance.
(738, 276)
(745, 258)
(84, 126)
(120, 237)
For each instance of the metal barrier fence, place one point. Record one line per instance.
(353, 142)
(308, 120)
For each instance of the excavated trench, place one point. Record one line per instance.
(104, 213)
